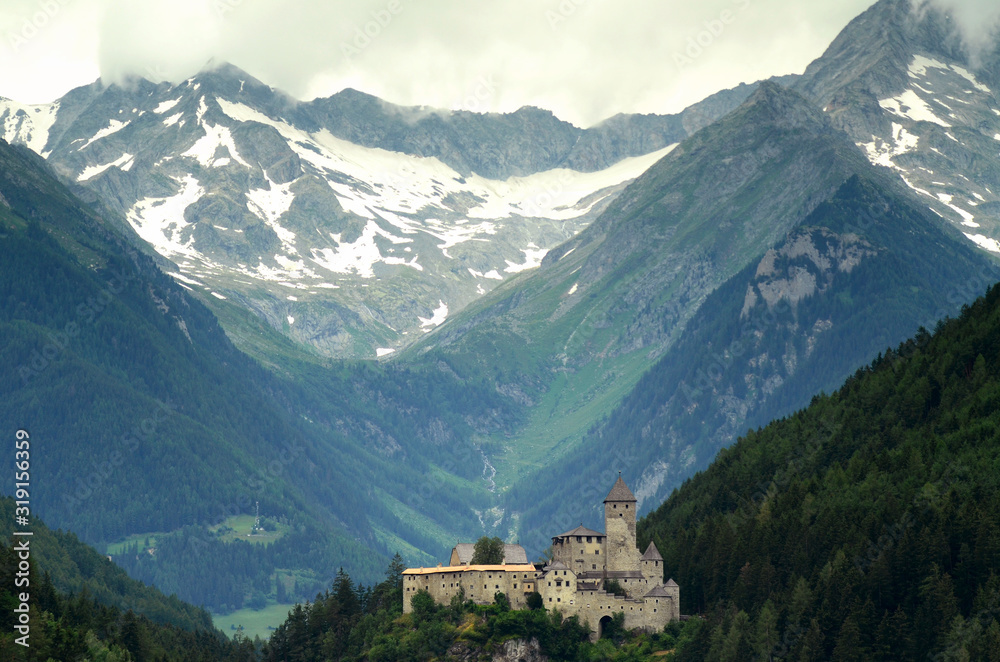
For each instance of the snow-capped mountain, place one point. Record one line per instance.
(348, 223)
(901, 82)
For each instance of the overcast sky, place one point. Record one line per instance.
(583, 59)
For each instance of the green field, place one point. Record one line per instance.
(255, 623)
(242, 525)
(116, 548)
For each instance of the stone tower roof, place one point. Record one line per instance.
(657, 592)
(652, 554)
(620, 492)
(671, 583)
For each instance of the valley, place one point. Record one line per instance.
(396, 327)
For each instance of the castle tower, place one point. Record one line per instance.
(621, 554)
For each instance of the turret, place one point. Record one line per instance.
(652, 564)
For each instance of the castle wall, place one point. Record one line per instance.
(481, 583)
(579, 555)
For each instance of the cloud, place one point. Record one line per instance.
(977, 20)
(583, 59)
(157, 40)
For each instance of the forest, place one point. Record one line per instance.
(864, 527)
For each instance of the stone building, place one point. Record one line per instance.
(573, 581)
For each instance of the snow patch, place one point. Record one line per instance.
(271, 204)
(114, 126)
(983, 241)
(28, 124)
(124, 162)
(911, 106)
(967, 218)
(533, 259)
(437, 319)
(361, 256)
(204, 149)
(384, 351)
(882, 153)
(218, 296)
(160, 221)
(291, 320)
(166, 105)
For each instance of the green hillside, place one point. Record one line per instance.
(81, 606)
(864, 527)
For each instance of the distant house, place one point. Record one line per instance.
(573, 582)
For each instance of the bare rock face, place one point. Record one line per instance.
(515, 650)
(519, 650)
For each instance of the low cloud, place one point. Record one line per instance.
(583, 59)
(977, 20)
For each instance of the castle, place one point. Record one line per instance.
(573, 581)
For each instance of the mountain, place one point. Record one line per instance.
(909, 90)
(573, 338)
(861, 528)
(348, 224)
(867, 267)
(156, 426)
(675, 235)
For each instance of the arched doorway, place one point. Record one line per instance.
(602, 626)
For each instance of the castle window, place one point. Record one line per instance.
(558, 599)
(579, 539)
(550, 599)
(597, 551)
(515, 586)
(615, 506)
(626, 506)
(588, 538)
(498, 585)
(654, 610)
(593, 566)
